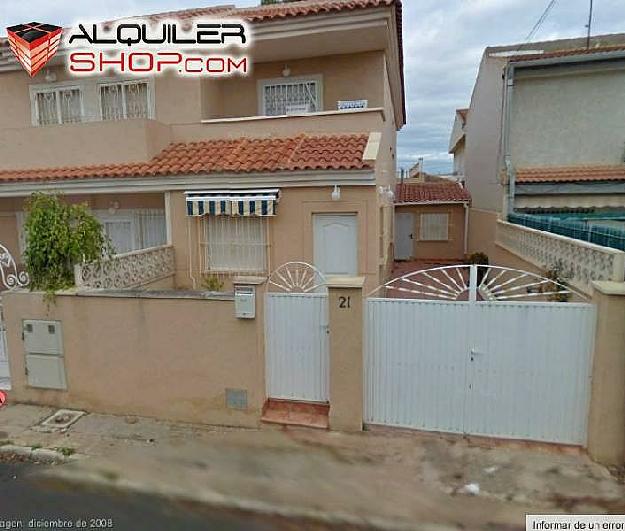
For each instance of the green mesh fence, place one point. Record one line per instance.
(599, 229)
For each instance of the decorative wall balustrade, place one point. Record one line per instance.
(583, 262)
(127, 270)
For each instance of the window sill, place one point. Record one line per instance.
(287, 116)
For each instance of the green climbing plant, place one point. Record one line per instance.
(58, 236)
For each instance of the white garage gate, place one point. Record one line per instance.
(480, 350)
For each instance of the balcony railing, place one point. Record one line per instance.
(583, 262)
(127, 270)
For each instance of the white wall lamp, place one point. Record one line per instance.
(50, 76)
(336, 193)
(386, 193)
(286, 71)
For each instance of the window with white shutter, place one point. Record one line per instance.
(434, 227)
(286, 96)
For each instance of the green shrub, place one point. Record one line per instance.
(212, 283)
(58, 236)
(478, 259)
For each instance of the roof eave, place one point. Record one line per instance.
(426, 203)
(160, 183)
(580, 58)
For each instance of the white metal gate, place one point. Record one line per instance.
(491, 364)
(296, 335)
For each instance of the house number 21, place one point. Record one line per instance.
(345, 302)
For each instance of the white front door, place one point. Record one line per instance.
(404, 234)
(336, 243)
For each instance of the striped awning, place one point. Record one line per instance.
(259, 203)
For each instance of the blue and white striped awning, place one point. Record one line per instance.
(259, 203)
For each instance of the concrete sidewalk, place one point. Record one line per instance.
(381, 479)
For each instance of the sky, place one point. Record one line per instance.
(443, 40)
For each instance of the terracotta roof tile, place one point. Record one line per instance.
(274, 11)
(571, 174)
(431, 193)
(243, 155)
(567, 53)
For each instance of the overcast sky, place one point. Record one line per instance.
(443, 39)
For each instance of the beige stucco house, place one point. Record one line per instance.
(239, 174)
(431, 221)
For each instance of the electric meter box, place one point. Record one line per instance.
(245, 302)
(45, 363)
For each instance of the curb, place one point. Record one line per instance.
(215, 499)
(42, 454)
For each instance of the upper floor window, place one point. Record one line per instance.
(290, 96)
(59, 105)
(125, 99)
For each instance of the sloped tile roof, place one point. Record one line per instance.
(567, 53)
(431, 193)
(242, 155)
(571, 174)
(275, 11)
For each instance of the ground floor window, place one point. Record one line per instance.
(128, 229)
(434, 227)
(234, 244)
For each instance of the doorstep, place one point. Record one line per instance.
(296, 413)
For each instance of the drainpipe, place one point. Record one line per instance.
(466, 229)
(507, 159)
(190, 255)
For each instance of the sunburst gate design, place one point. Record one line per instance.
(477, 283)
(297, 277)
(9, 275)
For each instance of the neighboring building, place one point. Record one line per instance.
(544, 146)
(431, 221)
(539, 114)
(239, 174)
(457, 142)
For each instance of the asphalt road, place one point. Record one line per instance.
(25, 497)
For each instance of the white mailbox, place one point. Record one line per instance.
(245, 302)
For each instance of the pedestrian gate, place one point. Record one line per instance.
(479, 350)
(10, 278)
(296, 334)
